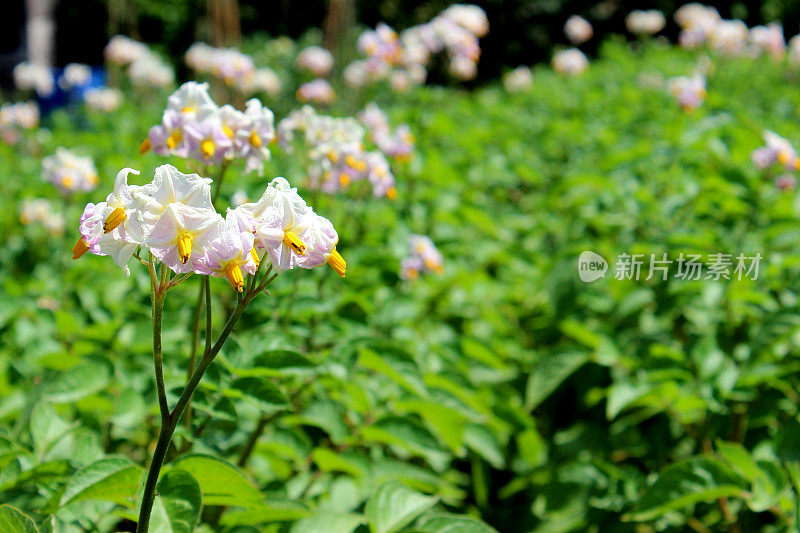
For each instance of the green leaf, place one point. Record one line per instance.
(258, 390)
(328, 522)
(271, 511)
(394, 506)
(401, 370)
(549, 373)
(220, 482)
(114, 479)
(787, 442)
(688, 482)
(78, 382)
(46, 427)
(329, 461)
(444, 422)
(454, 524)
(283, 360)
(482, 441)
(14, 521)
(177, 506)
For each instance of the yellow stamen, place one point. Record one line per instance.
(255, 255)
(333, 156)
(255, 140)
(234, 274)
(187, 109)
(114, 219)
(344, 180)
(207, 148)
(436, 267)
(228, 131)
(391, 193)
(355, 163)
(144, 147)
(67, 181)
(79, 249)
(293, 241)
(184, 247)
(174, 138)
(412, 273)
(337, 262)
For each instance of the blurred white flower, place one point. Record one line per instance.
(75, 75)
(315, 60)
(647, 22)
(102, 99)
(518, 80)
(318, 91)
(570, 62)
(122, 50)
(31, 76)
(578, 30)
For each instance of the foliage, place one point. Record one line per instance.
(504, 393)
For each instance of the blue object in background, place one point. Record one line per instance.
(60, 97)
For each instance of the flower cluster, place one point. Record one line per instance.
(689, 91)
(102, 99)
(317, 91)
(777, 150)
(786, 183)
(701, 24)
(123, 51)
(335, 150)
(234, 68)
(144, 67)
(518, 80)
(75, 75)
(315, 60)
(40, 211)
(193, 126)
(173, 217)
(69, 172)
(422, 257)
(578, 30)
(403, 59)
(19, 115)
(697, 23)
(398, 144)
(570, 62)
(647, 22)
(34, 77)
(768, 39)
(263, 80)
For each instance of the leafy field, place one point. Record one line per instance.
(503, 394)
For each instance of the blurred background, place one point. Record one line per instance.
(523, 31)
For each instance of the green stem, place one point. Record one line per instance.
(220, 179)
(149, 495)
(207, 358)
(253, 439)
(169, 423)
(195, 342)
(158, 308)
(207, 290)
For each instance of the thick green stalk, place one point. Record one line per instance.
(149, 495)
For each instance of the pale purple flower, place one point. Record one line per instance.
(182, 235)
(208, 142)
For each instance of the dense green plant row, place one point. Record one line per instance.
(504, 393)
